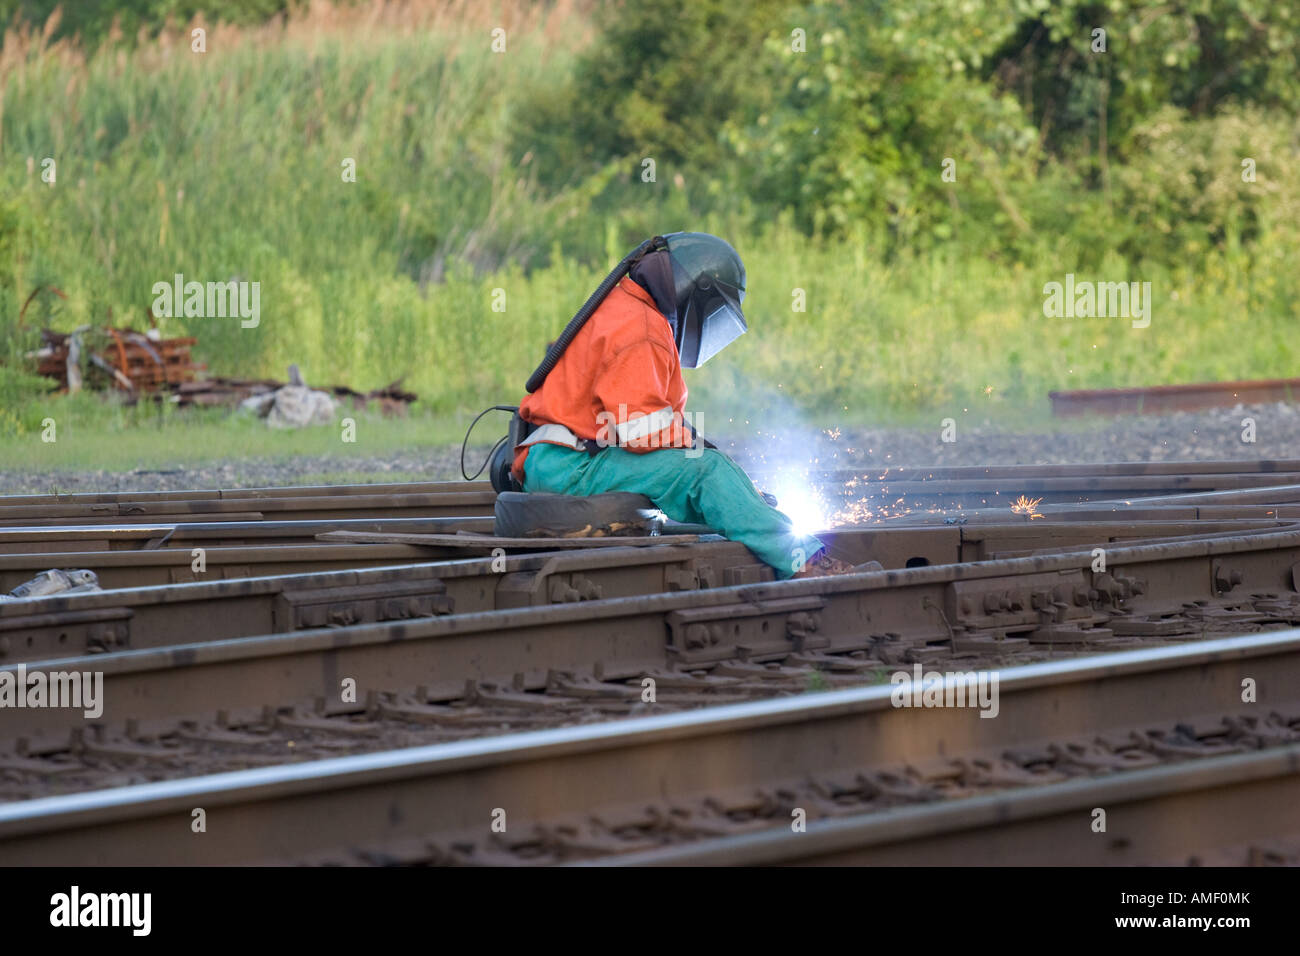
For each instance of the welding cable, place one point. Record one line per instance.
(464, 444)
(583, 314)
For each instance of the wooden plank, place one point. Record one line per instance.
(487, 541)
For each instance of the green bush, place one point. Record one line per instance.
(1197, 55)
(1184, 181)
(860, 130)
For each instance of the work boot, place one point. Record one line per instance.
(823, 565)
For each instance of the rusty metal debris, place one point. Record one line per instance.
(1173, 398)
(145, 363)
(131, 361)
(391, 399)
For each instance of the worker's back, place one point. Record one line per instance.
(618, 382)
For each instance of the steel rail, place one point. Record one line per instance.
(125, 537)
(287, 508)
(985, 607)
(1152, 399)
(1227, 468)
(138, 537)
(228, 494)
(1079, 469)
(1167, 815)
(164, 615)
(363, 501)
(1089, 512)
(154, 558)
(1088, 485)
(1281, 501)
(290, 812)
(167, 615)
(1273, 494)
(893, 499)
(120, 569)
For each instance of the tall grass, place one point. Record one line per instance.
(942, 334)
(230, 164)
(445, 263)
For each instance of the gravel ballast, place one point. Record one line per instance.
(1214, 434)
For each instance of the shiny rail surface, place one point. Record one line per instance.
(444, 799)
(240, 667)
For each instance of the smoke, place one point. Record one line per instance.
(780, 447)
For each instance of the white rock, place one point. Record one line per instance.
(298, 405)
(56, 581)
(259, 405)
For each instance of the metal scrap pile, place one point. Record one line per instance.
(133, 361)
(263, 395)
(136, 363)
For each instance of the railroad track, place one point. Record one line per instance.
(691, 619)
(890, 492)
(147, 610)
(1154, 399)
(1166, 730)
(448, 639)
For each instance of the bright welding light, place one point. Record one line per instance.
(802, 504)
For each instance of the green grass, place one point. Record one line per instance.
(97, 433)
(368, 477)
(967, 337)
(92, 434)
(877, 344)
(228, 164)
(817, 683)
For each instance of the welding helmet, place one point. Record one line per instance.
(709, 286)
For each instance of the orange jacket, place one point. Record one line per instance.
(619, 382)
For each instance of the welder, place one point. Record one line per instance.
(607, 408)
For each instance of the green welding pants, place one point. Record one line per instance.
(697, 487)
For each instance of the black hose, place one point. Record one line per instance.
(583, 314)
(465, 443)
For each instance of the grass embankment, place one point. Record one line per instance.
(446, 263)
(90, 435)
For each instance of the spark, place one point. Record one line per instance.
(801, 503)
(1026, 506)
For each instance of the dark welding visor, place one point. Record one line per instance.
(713, 321)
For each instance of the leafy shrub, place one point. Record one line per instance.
(1182, 181)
